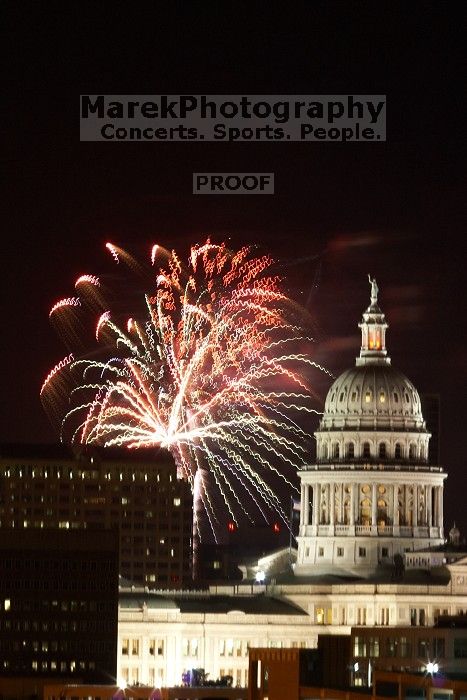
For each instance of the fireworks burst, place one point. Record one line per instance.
(210, 369)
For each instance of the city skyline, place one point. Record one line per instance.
(395, 210)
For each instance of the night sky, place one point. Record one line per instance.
(396, 209)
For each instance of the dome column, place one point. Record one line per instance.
(332, 502)
(415, 506)
(303, 491)
(429, 516)
(440, 510)
(354, 515)
(314, 514)
(395, 510)
(353, 500)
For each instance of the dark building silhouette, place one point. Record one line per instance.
(58, 608)
(219, 562)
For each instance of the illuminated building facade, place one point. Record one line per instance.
(162, 635)
(373, 492)
(138, 496)
(372, 495)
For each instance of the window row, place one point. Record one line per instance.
(381, 395)
(98, 625)
(55, 606)
(191, 647)
(335, 451)
(62, 646)
(401, 647)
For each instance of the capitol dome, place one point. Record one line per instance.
(374, 395)
(372, 411)
(372, 493)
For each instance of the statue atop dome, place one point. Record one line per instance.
(374, 290)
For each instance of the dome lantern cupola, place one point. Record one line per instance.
(373, 326)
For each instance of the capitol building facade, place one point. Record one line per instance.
(372, 500)
(372, 494)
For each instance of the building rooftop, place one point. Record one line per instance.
(259, 604)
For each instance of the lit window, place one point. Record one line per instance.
(7, 604)
(359, 646)
(367, 396)
(176, 501)
(382, 397)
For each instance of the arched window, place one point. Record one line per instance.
(368, 396)
(412, 452)
(350, 450)
(335, 450)
(398, 451)
(366, 449)
(382, 450)
(396, 397)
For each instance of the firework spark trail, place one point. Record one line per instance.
(210, 371)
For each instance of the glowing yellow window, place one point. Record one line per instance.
(368, 396)
(382, 397)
